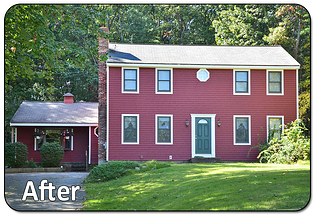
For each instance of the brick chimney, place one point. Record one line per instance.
(102, 97)
(68, 98)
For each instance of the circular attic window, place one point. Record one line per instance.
(202, 75)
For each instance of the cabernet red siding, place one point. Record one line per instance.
(190, 96)
(80, 144)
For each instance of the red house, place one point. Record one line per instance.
(175, 102)
(72, 124)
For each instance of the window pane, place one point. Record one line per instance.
(164, 75)
(130, 74)
(130, 129)
(241, 86)
(202, 75)
(275, 76)
(53, 136)
(277, 134)
(163, 129)
(163, 122)
(242, 130)
(274, 123)
(275, 87)
(241, 76)
(163, 86)
(130, 85)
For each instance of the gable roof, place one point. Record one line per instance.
(55, 113)
(219, 56)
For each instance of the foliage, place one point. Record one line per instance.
(117, 169)
(15, 154)
(31, 164)
(199, 187)
(292, 146)
(49, 45)
(110, 170)
(51, 154)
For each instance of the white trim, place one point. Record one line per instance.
(171, 129)
(89, 143)
(72, 145)
(234, 129)
(137, 80)
(171, 80)
(213, 121)
(248, 78)
(282, 82)
(137, 129)
(15, 134)
(297, 86)
(53, 124)
(35, 145)
(202, 66)
(107, 126)
(275, 116)
(95, 131)
(199, 72)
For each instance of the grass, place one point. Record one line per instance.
(219, 186)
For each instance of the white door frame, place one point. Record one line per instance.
(212, 116)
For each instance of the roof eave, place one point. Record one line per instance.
(26, 124)
(207, 66)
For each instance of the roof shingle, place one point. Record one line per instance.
(56, 112)
(200, 55)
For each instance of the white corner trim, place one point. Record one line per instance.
(107, 126)
(89, 143)
(297, 89)
(156, 129)
(234, 129)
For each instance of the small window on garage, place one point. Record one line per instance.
(202, 75)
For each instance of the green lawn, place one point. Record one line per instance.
(217, 186)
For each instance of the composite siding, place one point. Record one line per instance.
(80, 139)
(190, 96)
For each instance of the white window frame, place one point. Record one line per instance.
(248, 81)
(282, 82)
(171, 81)
(137, 80)
(156, 129)
(197, 75)
(234, 129)
(137, 129)
(44, 129)
(275, 116)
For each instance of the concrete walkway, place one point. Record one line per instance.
(15, 184)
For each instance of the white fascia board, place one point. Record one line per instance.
(209, 66)
(53, 124)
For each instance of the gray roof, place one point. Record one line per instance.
(57, 112)
(200, 55)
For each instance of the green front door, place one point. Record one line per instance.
(203, 136)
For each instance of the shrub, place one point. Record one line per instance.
(15, 154)
(292, 146)
(153, 164)
(110, 170)
(51, 154)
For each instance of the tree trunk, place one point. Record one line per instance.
(296, 48)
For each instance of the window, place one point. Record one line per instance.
(275, 126)
(164, 81)
(130, 83)
(62, 136)
(130, 129)
(242, 130)
(241, 82)
(164, 129)
(275, 82)
(202, 75)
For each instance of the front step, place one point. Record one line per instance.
(204, 160)
(78, 167)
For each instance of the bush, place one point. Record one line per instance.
(153, 164)
(292, 146)
(15, 154)
(51, 154)
(110, 170)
